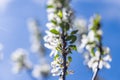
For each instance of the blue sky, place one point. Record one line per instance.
(14, 33)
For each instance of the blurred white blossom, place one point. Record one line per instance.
(20, 60)
(57, 67)
(36, 46)
(41, 70)
(93, 62)
(81, 25)
(97, 55)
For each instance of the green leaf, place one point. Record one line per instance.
(97, 18)
(69, 58)
(73, 39)
(69, 50)
(50, 6)
(57, 56)
(68, 38)
(67, 27)
(54, 22)
(54, 31)
(58, 48)
(92, 52)
(60, 14)
(74, 32)
(73, 47)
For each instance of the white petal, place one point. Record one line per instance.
(53, 52)
(48, 46)
(99, 32)
(91, 36)
(107, 58)
(101, 64)
(36, 71)
(94, 66)
(97, 54)
(50, 26)
(107, 65)
(106, 50)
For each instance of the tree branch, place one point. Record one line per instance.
(64, 54)
(95, 74)
(97, 70)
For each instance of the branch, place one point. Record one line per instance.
(97, 70)
(95, 74)
(64, 54)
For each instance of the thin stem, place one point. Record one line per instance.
(64, 54)
(95, 74)
(97, 70)
(65, 68)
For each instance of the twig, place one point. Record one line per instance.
(95, 74)
(97, 70)
(63, 76)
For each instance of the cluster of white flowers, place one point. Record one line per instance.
(1, 51)
(60, 20)
(20, 59)
(95, 58)
(20, 56)
(80, 24)
(35, 37)
(57, 67)
(52, 42)
(41, 70)
(103, 62)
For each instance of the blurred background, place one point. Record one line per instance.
(14, 34)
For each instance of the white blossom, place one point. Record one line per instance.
(107, 58)
(52, 16)
(84, 42)
(59, 15)
(41, 70)
(106, 50)
(36, 46)
(56, 67)
(55, 3)
(81, 25)
(51, 42)
(93, 62)
(90, 42)
(103, 61)
(91, 36)
(20, 60)
(99, 32)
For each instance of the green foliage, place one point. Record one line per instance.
(50, 6)
(54, 31)
(69, 58)
(65, 26)
(74, 32)
(54, 22)
(71, 38)
(96, 23)
(92, 52)
(73, 47)
(56, 56)
(60, 14)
